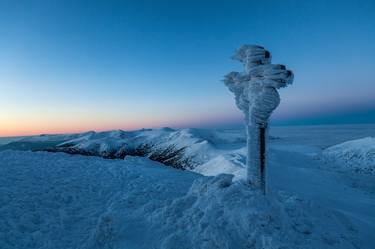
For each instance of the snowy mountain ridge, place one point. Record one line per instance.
(198, 150)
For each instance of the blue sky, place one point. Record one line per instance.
(84, 65)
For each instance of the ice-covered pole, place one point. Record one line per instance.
(256, 95)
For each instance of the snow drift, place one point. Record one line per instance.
(54, 200)
(219, 213)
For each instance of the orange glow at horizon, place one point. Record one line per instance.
(26, 126)
(17, 128)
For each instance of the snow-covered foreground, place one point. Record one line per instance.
(63, 201)
(56, 200)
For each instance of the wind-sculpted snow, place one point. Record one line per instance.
(55, 200)
(355, 155)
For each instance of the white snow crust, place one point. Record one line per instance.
(357, 155)
(64, 201)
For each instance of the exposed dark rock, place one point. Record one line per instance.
(169, 156)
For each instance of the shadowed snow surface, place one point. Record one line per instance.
(53, 200)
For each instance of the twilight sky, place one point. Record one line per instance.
(68, 66)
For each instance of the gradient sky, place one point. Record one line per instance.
(68, 66)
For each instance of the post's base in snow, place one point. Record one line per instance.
(256, 159)
(256, 187)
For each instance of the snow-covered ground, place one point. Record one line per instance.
(56, 200)
(63, 201)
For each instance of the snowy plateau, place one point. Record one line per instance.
(185, 188)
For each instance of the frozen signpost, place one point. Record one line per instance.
(256, 95)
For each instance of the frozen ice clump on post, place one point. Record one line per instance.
(256, 95)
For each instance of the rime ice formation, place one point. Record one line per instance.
(256, 96)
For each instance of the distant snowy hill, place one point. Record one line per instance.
(357, 155)
(199, 150)
(202, 150)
